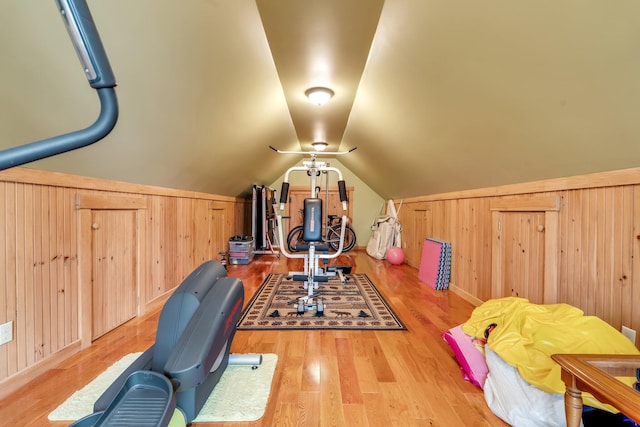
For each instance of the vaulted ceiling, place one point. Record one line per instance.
(437, 96)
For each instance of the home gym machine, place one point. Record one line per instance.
(313, 220)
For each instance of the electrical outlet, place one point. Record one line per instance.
(629, 333)
(6, 332)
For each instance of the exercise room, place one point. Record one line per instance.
(332, 213)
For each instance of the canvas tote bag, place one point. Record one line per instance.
(385, 232)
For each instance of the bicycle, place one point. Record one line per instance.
(332, 238)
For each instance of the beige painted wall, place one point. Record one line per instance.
(454, 96)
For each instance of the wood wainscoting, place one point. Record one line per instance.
(579, 242)
(46, 259)
(81, 256)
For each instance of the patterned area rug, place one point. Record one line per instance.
(356, 304)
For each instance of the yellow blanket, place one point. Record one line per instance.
(528, 334)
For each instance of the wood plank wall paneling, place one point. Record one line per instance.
(39, 290)
(598, 264)
(598, 227)
(43, 234)
(163, 226)
(634, 300)
(115, 277)
(597, 252)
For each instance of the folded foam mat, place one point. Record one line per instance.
(435, 264)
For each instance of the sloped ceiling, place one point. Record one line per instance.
(437, 96)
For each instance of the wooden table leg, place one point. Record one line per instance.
(573, 406)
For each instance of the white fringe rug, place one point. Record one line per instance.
(240, 395)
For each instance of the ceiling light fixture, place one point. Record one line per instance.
(320, 146)
(319, 95)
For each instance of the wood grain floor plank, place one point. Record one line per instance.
(323, 378)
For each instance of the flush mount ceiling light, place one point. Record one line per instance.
(319, 95)
(319, 146)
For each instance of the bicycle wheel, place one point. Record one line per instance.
(334, 238)
(295, 238)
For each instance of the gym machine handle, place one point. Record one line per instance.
(87, 43)
(90, 50)
(284, 194)
(313, 153)
(342, 189)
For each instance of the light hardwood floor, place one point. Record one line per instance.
(323, 378)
